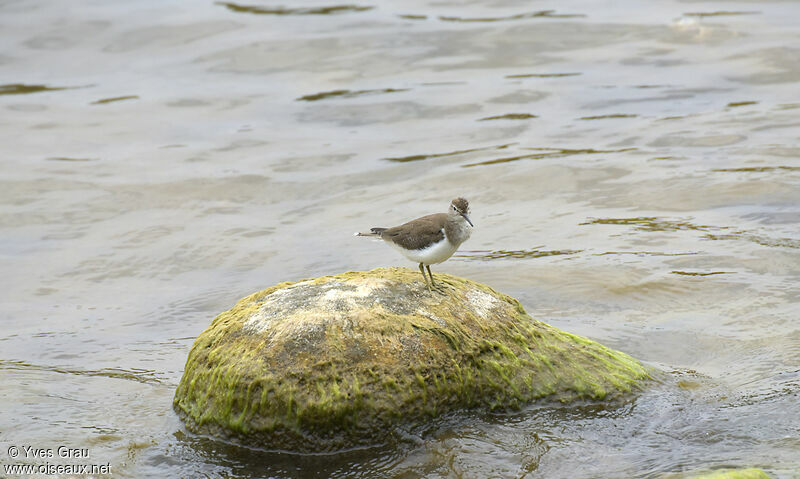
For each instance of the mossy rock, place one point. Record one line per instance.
(338, 361)
(734, 474)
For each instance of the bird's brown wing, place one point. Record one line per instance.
(418, 233)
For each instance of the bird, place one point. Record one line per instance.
(430, 239)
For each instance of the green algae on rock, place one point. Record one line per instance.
(337, 361)
(751, 473)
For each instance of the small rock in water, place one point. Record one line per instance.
(734, 474)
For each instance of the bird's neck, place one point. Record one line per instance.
(457, 229)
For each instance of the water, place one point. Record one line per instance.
(633, 173)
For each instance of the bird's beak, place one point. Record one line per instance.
(467, 218)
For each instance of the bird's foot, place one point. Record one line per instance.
(438, 287)
(435, 288)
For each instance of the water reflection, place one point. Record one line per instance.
(518, 16)
(547, 153)
(607, 117)
(348, 94)
(510, 116)
(64, 158)
(543, 75)
(326, 10)
(486, 255)
(757, 169)
(652, 223)
(429, 156)
(136, 374)
(104, 101)
(694, 273)
(24, 89)
(719, 13)
(741, 103)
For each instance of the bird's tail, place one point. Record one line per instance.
(373, 232)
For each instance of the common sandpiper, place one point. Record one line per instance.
(430, 239)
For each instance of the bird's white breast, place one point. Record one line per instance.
(433, 254)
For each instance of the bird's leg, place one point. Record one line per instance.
(431, 275)
(422, 270)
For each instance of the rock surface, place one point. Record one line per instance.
(338, 361)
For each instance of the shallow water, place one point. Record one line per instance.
(633, 174)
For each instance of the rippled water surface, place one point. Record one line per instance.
(633, 170)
